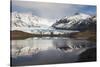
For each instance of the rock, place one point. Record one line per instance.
(88, 55)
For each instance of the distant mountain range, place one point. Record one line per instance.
(79, 21)
(27, 20)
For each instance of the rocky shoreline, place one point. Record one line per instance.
(88, 35)
(19, 35)
(23, 35)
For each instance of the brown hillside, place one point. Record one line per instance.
(19, 34)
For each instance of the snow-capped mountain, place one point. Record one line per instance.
(79, 21)
(27, 20)
(28, 23)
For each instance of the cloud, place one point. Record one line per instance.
(48, 10)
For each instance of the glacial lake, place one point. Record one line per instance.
(47, 50)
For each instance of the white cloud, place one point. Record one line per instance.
(49, 10)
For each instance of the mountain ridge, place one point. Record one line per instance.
(27, 20)
(78, 21)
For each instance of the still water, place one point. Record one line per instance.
(47, 50)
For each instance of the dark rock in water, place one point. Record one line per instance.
(88, 55)
(64, 48)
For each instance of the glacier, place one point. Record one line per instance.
(26, 22)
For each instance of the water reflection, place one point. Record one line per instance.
(47, 50)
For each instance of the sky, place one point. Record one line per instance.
(51, 11)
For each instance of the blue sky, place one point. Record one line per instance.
(51, 10)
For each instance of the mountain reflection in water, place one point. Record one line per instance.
(47, 50)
